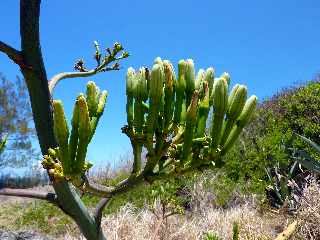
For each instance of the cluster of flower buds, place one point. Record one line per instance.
(69, 159)
(113, 55)
(52, 164)
(169, 113)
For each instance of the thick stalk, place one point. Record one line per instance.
(34, 73)
(137, 150)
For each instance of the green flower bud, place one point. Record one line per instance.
(236, 103)
(209, 78)
(102, 103)
(242, 121)
(191, 117)
(61, 133)
(155, 94)
(190, 76)
(169, 93)
(247, 111)
(220, 101)
(130, 83)
(200, 80)
(92, 98)
(181, 83)
(157, 60)
(61, 126)
(84, 134)
(226, 77)
(73, 142)
(180, 87)
(141, 87)
(156, 82)
(203, 112)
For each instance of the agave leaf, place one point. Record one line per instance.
(310, 142)
(308, 162)
(293, 168)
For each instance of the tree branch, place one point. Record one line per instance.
(102, 65)
(48, 196)
(11, 52)
(99, 209)
(54, 81)
(107, 191)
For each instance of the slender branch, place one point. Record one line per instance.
(99, 209)
(133, 180)
(54, 81)
(48, 196)
(83, 72)
(11, 52)
(107, 191)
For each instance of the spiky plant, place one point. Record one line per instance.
(167, 114)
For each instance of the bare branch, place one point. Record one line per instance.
(11, 52)
(102, 66)
(48, 196)
(53, 82)
(99, 209)
(109, 191)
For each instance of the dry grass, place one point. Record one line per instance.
(127, 224)
(205, 217)
(309, 213)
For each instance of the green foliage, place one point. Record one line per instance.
(211, 236)
(167, 191)
(235, 231)
(39, 215)
(266, 141)
(170, 203)
(305, 158)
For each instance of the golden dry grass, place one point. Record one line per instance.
(127, 224)
(255, 223)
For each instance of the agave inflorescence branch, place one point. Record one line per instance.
(167, 115)
(175, 123)
(69, 159)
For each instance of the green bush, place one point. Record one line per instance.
(266, 140)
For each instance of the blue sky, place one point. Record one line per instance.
(266, 45)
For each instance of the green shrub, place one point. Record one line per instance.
(266, 140)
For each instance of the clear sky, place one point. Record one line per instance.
(266, 45)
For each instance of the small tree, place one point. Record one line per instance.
(15, 119)
(166, 115)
